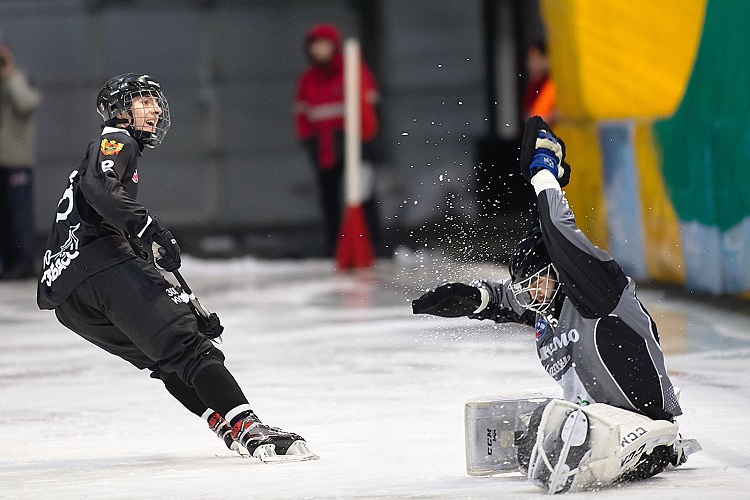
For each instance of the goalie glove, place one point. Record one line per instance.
(452, 300)
(543, 150)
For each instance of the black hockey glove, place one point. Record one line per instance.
(449, 300)
(541, 149)
(210, 328)
(166, 249)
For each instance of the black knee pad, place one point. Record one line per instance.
(214, 353)
(211, 356)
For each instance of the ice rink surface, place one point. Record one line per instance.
(337, 357)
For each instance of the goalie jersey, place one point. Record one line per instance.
(97, 220)
(599, 342)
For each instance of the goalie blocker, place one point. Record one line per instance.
(563, 447)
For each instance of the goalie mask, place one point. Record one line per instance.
(534, 281)
(138, 101)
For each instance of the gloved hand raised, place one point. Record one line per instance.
(541, 149)
(451, 300)
(165, 247)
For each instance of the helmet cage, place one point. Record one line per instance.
(116, 99)
(148, 138)
(533, 292)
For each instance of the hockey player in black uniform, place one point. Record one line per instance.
(593, 335)
(99, 276)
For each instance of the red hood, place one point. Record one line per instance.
(328, 31)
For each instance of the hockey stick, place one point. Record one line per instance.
(202, 311)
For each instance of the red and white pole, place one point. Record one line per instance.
(352, 122)
(354, 247)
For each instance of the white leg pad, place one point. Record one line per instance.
(491, 424)
(579, 448)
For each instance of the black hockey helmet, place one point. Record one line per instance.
(530, 262)
(116, 99)
(529, 256)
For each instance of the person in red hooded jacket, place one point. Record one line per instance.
(319, 123)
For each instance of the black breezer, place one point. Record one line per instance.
(149, 329)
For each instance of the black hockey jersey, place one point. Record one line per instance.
(98, 221)
(600, 344)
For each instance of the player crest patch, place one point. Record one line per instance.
(110, 147)
(541, 328)
(135, 176)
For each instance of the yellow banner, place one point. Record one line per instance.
(614, 59)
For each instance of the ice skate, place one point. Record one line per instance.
(270, 444)
(221, 428)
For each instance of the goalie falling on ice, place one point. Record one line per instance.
(593, 336)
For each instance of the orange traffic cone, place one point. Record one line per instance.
(354, 246)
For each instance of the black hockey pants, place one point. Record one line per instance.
(130, 310)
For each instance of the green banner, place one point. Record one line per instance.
(706, 144)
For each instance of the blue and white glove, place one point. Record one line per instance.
(548, 153)
(543, 150)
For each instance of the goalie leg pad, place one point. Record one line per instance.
(581, 448)
(495, 426)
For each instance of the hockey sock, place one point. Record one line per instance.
(184, 394)
(236, 414)
(218, 389)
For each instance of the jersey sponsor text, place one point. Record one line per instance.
(558, 342)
